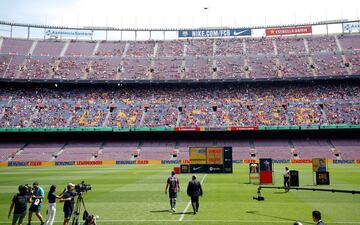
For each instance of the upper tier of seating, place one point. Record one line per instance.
(195, 59)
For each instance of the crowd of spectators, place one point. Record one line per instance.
(170, 107)
(178, 59)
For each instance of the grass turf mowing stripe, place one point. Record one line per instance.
(205, 221)
(189, 203)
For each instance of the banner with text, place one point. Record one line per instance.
(214, 33)
(288, 31)
(351, 27)
(68, 33)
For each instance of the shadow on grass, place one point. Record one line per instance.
(181, 213)
(280, 192)
(275, 217)
(161, 211)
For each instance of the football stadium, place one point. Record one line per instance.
(109, 111)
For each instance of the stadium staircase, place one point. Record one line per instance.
(334, 150)
(137, 152)
(277, 60)
(30, 52)
(323, 113)
(293, 151)
(252, 150)
(344, 60)
(18, 152)
(176, 151)
(214, 68)
(246, 60)
(57, 154)
(120, 73)
(99, 152)
(183, 63)
(1, 42)
(310, 60)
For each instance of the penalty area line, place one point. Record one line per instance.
(189, 203)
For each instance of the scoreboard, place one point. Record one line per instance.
(210, 159)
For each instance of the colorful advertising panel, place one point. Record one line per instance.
(197, 155)
(319, 165)
(288, 31)
(322, 178)
(266, 165)
(215, 156)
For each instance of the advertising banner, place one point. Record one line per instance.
(322, 178)
(266, 165)
(187, 129)
(71, 163)
(197, 155)
(228, 160)
(203, 168)
(215, 156)
(319, 165)
(214, 33)
(67, 33)
(125, 162)
(243, 128)
(351, 27)
(288, 31)
(294, 161)
(184, 168)
(142, 162)
(88, 163)
(266, 171)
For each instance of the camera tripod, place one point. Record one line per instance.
(79, 202)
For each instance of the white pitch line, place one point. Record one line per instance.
(189, 203)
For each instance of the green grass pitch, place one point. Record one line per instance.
(134, 194)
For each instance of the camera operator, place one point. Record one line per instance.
(68, 199)
(35, 207)
(19, 201)
(90, 220)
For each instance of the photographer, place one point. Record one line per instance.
(36, 197)
(19, 201)
(68, 199)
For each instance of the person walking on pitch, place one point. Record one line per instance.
(173, 186)
(194, 190)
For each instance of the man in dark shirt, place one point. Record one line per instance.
(317, 218)
(194, 190)
(68, 199)
(174, 187)
(19, 201)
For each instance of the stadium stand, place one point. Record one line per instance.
(199, 59)
(278, 149)
(172, 107)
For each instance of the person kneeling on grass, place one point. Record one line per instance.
(19, 201)
(90, 220)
